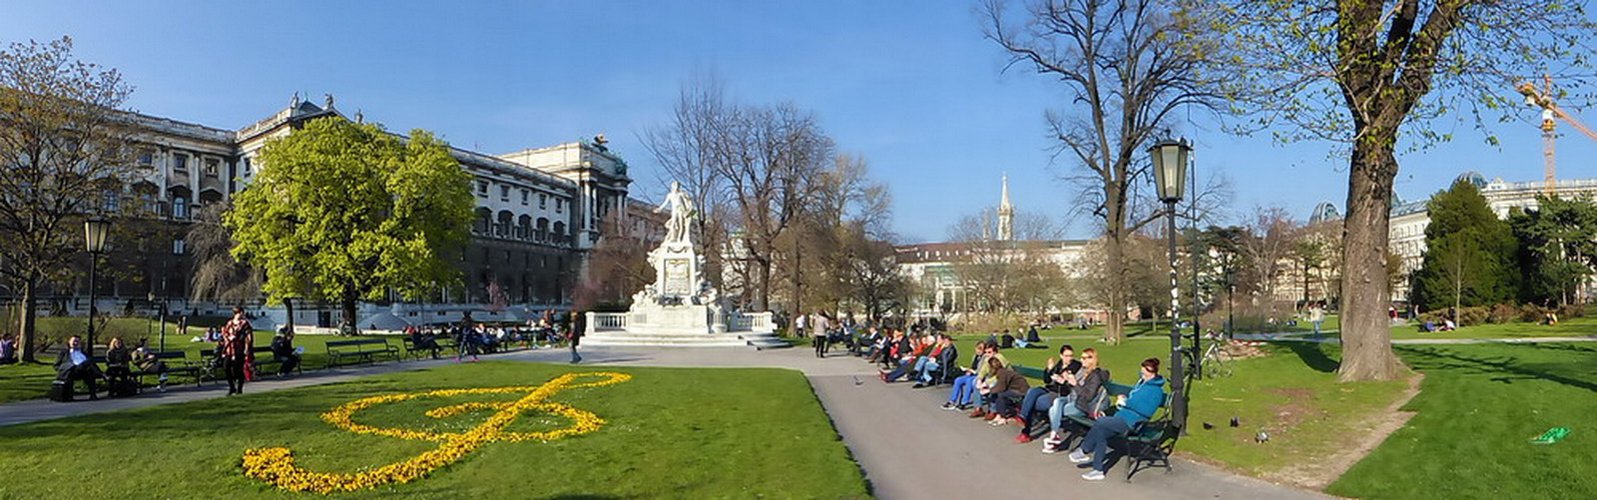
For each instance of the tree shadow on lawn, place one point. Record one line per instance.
(1313, 355)
(1507, 368)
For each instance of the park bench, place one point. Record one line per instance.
(176, 362)
(1147, 445)
(361, 350)
(444, 345)
(264, 357)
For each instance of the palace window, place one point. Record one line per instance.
(212, 167)
(560, 205)
(543, 201)
(504, 193)
(180, 162)
(180, 207)
(482, 188)
(524, 196)
(147, 158)
(246, 166)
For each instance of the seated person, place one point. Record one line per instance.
(74, 364)
(148, 364)
(1448, 325)
(918, 347)
(1007, 391)
(945, 355)
(283, 351)
(1138, 407)
(1031, 335)
(8, 350)
(960, 398)
(117, 372)
(1084, 385)
(1055, 386)
(985, 383)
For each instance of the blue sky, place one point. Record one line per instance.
(911, 86)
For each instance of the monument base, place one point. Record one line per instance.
(680, 326)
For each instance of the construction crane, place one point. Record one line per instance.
(1543, 98)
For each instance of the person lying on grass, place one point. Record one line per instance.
(1136, 408)
(1009, 387)
(1084, 385)
(1055, 385)
(962, 395)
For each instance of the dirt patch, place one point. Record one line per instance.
(1367, 435)
(1296, 408)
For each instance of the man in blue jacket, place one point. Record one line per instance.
(1138, 407)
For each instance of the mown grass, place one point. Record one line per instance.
(1478, 407)
(1569, 327)
(671, 432)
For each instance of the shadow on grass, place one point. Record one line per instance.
(1313, 356)
(1507, 368)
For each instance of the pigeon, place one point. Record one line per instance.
(1208, 426)
(857, 381)
(1262, 438)
(1235, 422)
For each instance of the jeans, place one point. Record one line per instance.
(1097, 441)
(925, 368)
(820, 345)
(1037, 400)
(1062, 407)
(964, 390)
(1316, 328)
(1005, 401)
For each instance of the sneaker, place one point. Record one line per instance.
(1077, 457)
(1054, 438)
(1050, 448)
(949, 406)
(918, 385)
(1023, 438)
(997, 422)
(1093, 475)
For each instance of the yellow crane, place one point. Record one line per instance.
(1543, 98)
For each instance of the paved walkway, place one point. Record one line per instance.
(907, 445)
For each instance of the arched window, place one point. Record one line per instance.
(541, 231)
(524, 227)
(480, 226)
(502, 229)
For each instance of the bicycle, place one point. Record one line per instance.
(1216, 361)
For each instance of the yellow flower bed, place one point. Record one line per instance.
(276, 465)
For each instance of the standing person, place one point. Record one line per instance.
(237, 339)
(579, 322)
(818, 334)
(800, 324)
(1317, 316)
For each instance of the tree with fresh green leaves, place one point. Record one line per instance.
(1469, 256)
(1372, 74)
(1557, 248)
(342, 212)
(65, 154)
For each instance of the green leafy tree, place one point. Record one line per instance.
(1371, 75)
(1469, 257)
(343, 211)
(1557, 248)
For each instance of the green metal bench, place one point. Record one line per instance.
(362, 350)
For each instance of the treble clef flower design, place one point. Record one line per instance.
(276, 465)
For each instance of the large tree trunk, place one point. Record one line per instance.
(763, 298)
(28, 322)
(1115, 323)
(350, 315)
(1366, 333)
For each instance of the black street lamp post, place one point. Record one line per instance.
(94, 233)
(1169, 171)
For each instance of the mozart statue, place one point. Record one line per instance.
(680, 227)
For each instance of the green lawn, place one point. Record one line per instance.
(1292, 393)
(1569, 327)
(1476, 410)
(670, 432)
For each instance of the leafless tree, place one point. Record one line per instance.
(1272, 235)
(215, 275)
(65, 147)
(1127, 66)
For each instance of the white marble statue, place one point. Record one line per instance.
(680, 227)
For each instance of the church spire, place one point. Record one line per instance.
(1006, 214)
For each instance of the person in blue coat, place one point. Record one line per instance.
(1138, 407)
